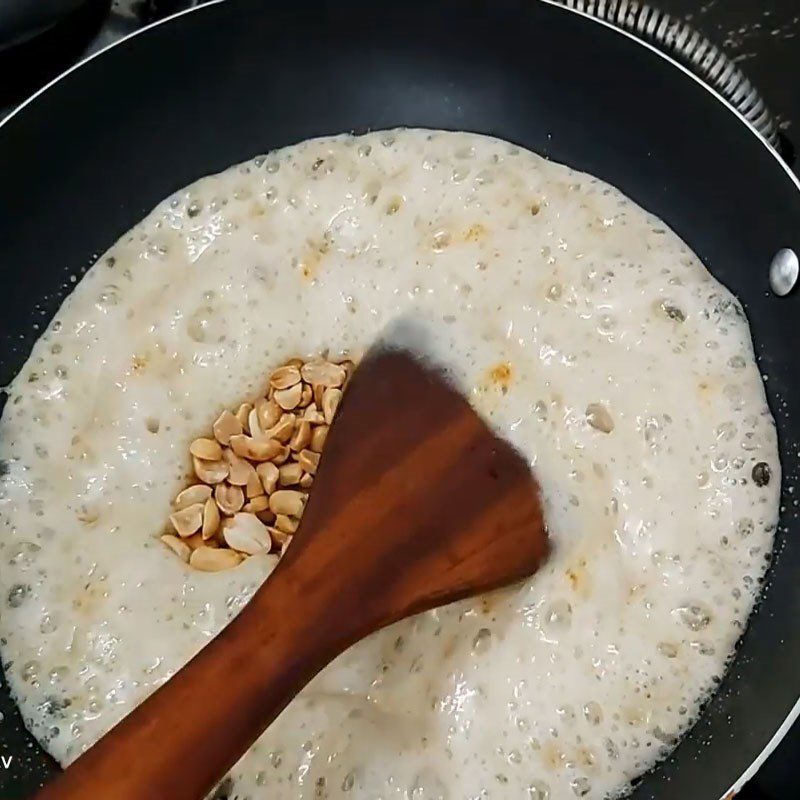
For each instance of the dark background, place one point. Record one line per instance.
(762, 36)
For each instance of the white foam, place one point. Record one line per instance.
(573, 683)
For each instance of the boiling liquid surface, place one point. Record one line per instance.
(576, 322)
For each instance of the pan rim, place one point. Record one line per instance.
(794, 713)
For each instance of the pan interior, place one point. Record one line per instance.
(549, 298)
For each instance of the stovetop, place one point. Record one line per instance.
(762, 37)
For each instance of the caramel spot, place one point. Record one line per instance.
(138, 364)
(500, 376)
(578, 577)
(553, 755)
(475, 233)
(308, 264)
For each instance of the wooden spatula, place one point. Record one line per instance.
(416, 504)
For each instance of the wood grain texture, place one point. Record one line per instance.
(416, 504)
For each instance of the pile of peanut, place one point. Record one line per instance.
(256, 470)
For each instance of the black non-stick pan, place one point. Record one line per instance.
(89, 156)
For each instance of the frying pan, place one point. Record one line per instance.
(92, 153)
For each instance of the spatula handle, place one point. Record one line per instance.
(181, 741)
